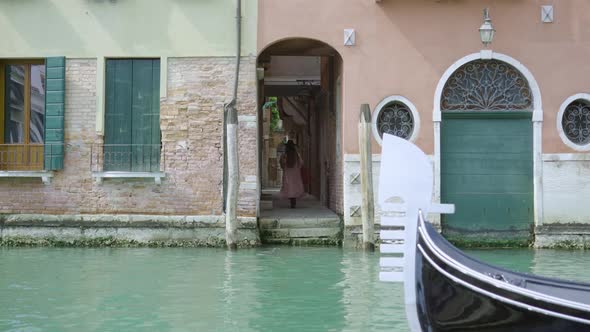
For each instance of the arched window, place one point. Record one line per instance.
(486, 85)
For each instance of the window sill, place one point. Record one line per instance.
(157, 176)
(44, 175)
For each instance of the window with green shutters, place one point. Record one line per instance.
(32, 104)
(132, 141)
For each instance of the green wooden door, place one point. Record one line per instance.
(487, 172)
(132, 126)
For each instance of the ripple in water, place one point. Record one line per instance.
(265, 289)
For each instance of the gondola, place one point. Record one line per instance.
(455, 292)
(446, 290)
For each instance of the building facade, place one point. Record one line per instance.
(506, 125)
(112, 120)
(111, 124)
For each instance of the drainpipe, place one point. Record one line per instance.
(231, 147)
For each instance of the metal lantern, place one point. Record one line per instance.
(486, 31)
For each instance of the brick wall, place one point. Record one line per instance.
(191, 123)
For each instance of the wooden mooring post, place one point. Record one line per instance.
(368, 203)
(232, 157)
(231, 219)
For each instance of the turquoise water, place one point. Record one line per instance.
(265, 289)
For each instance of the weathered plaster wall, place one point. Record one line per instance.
(191, 124)
(397, 54)
(352, 188)
(566, 186)
(88, 28)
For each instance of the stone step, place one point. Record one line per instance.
(266, 205)
(266, 197)
(285, 233)
(314, 241)
(280, 223)
(275, 241)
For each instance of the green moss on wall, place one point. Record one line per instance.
(112, 242)
(490, 242)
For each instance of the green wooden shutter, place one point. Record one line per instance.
(55, 77)
(117, 139)
(132, 115)
(145, 117)
(156, 136)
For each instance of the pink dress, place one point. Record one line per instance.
(292, 182)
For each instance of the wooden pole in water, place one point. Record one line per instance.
(233, 170)
(368, 204)
(231, 220)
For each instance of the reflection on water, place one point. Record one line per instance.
(265, 289)
(563, 264)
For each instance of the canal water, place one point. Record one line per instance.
(264, 289)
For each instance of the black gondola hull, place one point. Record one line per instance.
(451, 300)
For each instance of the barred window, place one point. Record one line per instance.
(395, 118)
(575, 122)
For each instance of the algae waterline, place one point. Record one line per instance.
(207, 289)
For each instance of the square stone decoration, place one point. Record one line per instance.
(355, 178)
(349, 37)
(547, 14)
(355, 211)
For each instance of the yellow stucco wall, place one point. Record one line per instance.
(89, 28)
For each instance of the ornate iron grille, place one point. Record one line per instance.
(395, 119)
(576, 122)
(486, 85)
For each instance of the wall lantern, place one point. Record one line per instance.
(486, 31)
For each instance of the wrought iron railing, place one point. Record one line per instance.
(127, 158)
(22, 157)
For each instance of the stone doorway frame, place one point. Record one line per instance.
(337, 79)
(537, 120)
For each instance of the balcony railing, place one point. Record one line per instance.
(140, 158)
(22, 157)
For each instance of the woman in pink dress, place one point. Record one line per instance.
(291, 164)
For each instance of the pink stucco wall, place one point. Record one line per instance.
(404, 47)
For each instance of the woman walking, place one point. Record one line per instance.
(291, 164)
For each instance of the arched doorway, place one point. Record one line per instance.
(299, 99)
(487, 153)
